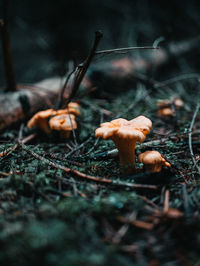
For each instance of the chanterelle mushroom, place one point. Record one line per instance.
(153, 161)
(167, 108)
(125, 134)
(64, 123)
(166, 112)
(178, 103)
(73, 108)
(40, 119)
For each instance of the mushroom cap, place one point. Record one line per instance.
(178, 103)
(73, 108)
(63, 122)
(73, 105)
(151, 158)
(166, 112)
(143, 123)
(123, 129)
(42, 115)
(163, 103)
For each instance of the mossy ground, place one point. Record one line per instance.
(56, 218)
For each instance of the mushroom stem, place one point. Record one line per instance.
(44, 126)
(65, 134)
(153, 168)
(125, 134)
(126, 150)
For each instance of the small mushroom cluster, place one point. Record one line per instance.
(62, 120)
(125, 134)
(167, 108)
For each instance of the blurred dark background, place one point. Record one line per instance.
(46, 34)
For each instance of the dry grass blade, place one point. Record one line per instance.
(190, 137)
(124, 50)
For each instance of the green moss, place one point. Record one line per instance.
(55, 218)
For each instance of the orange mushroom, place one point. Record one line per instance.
(166, 112)
(153, 161)
(178, 103)
(40, 119)
(73, 108)
(163, 103)
(167, 108)
(125, 134)
(64, 123)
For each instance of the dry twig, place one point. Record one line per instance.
(14, 147)
(190, 137)
(81, 70)
(124, 50)
(83, 175)
(166, 202)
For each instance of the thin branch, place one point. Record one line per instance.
(113, 153)
(79, 73)
(177, 79)
(148, 201)
(124, 50)
(166, 201)
(59, 102)
(96, 108)
(56, 157)
(8, 151)
(97, 140)
(82, 68)
(14, 147)
(83, 175)
(190, 137)
(78, 148)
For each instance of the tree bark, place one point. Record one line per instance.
(21, 104)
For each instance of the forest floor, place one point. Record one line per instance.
(58, 217)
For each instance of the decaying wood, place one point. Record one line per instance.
(21, 104)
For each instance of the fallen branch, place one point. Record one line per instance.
(83, 175)
(20, 105)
